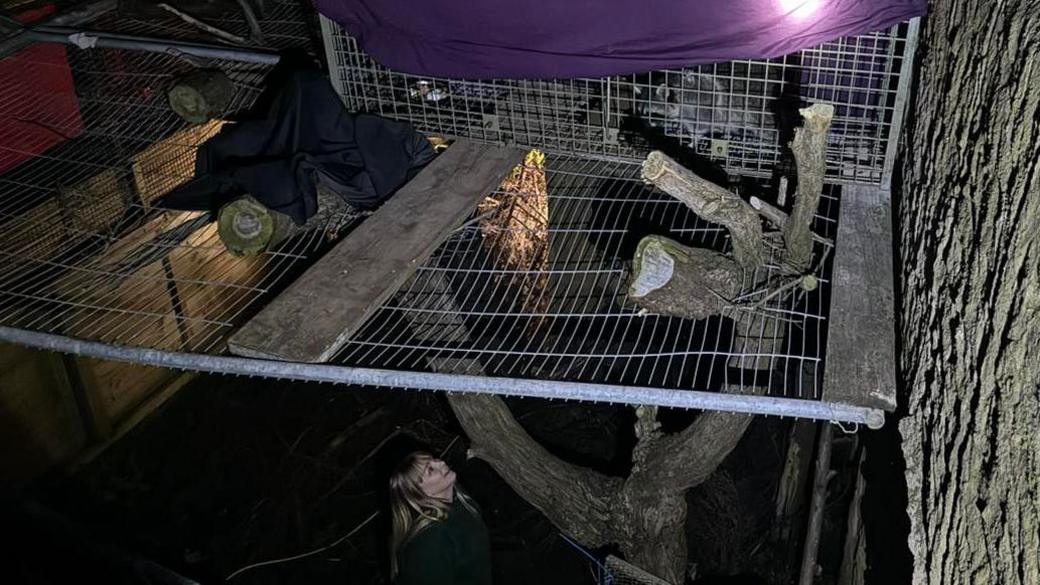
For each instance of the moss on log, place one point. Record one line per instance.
(201, 95)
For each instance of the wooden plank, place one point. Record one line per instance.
(170, 162)
(861, 357)
(311, 320)
(142, 411)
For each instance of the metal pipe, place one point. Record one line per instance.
(48, 34)
(819, 498)
(695, 399)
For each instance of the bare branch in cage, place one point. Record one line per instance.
(778, 218)
(710, 202)
(221, 34)
(672, 279)
(810, 152)
(255, 33)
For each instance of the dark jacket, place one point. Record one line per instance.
(455, 551)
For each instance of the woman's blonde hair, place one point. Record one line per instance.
(411, 510)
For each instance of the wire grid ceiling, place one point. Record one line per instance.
(85, 251)
(738, 113)
(564, 316)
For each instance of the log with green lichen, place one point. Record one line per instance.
(246, 227)
(201, 95)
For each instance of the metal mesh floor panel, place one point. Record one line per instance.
(87, 254)
(85, 251)
(738, 113)
(564, 315)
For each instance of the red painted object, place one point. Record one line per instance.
(38, 104)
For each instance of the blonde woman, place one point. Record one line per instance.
(438, 537)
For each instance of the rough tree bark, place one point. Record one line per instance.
(970, 252)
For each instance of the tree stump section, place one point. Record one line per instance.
(201, 95)
(672, 279)
(247, 227)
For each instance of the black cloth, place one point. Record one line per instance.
(305, 136)
(455, 551)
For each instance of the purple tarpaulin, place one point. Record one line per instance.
(480, 39)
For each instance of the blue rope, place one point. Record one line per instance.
(604, 576)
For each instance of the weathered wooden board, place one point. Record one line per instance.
(861, 357)
(315, 316)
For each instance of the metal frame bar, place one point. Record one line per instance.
(902, 102)
(151, 45)
(738, 403)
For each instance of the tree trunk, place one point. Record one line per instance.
(970, 252)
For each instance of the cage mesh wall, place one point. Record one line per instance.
(88, 143)
(738, 113)
(533, 289)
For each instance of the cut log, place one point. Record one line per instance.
(810, 153)
(314, 318)
(710, 202)
(671, 279)
(247, 227)
(201, 95)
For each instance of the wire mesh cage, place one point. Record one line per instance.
(539, 292)
(88, 145)
(738, 113)
(285, 24)
(531, 288)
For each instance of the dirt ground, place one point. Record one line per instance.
(237, 471)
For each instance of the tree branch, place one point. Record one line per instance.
(810, 153)
(687, 458)
(710, 202)
(576, 499)
(778, 218)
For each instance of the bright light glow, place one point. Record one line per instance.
(800, 9)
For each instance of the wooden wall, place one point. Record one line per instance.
(57, 410)
(40, 424)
